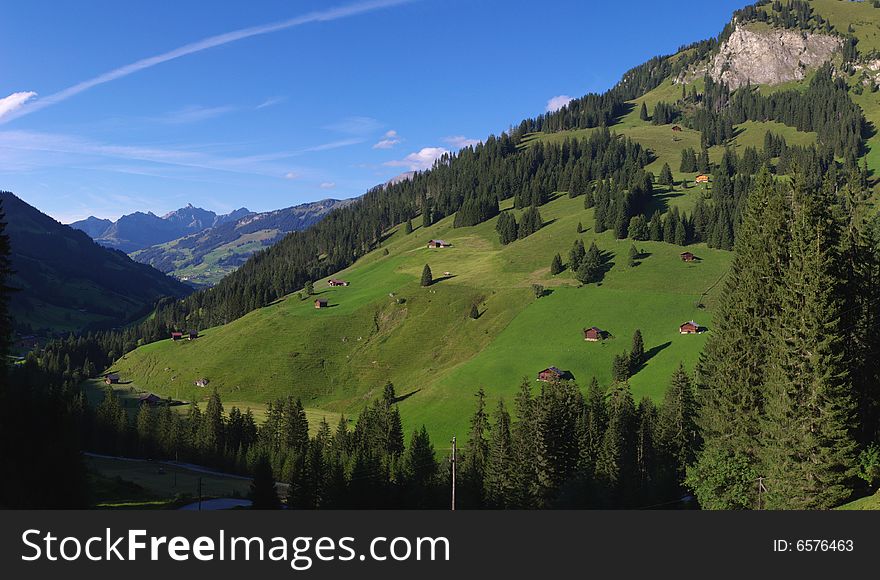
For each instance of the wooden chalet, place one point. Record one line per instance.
(676, 129)
(321, 303)
(687, 257)
(550, 374)
(111, 379)
(334, 282)
(193, 334)
(150, 400)
(690, 327)
(593, 334)
(438, 244)
(703, 178)
(176, 335)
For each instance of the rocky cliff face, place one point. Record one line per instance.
(770, 55)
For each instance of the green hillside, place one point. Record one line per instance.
(423, 340)
(385, 327)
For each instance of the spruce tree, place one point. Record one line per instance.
(475, 312)
(809, 453)
(666, 176)
(476, 454)
(263, 494)
(678, 433)
(407, 227)
(643, 112)
(615, 465)
(731, 370)
(500, 480)
(427, 277)
(637, 352)
(556, 265)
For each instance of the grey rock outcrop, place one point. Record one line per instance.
(770, 55)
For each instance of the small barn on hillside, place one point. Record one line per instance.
(176, 335)
(193, 334)
(687, 257)
(551, 374)
(438, 244)
(690, 327)
(702, 178)
(111, 379)
(594, 334)
(676, 129)
(321, 303)
(150, 400)
(334, 282)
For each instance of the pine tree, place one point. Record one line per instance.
(615, 465)
(731, 371)
(643, 112)
(633, 256)
(475, 312)
(523, 434)
(809, 453)
(620, 368)
(590, 267)
(476, 454)
(420, 470)
(576, 255)
(556, 265)
(263, 494)
(580, 228)
(678, 432)
(637, 352)
(666, 176)
(427, 277)
(500, 479)
(407, 227)
(309, 288)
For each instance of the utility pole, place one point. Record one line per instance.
(453, 473)
(761, 491)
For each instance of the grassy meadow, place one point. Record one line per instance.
(385, 327)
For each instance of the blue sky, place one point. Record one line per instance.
(110, 107)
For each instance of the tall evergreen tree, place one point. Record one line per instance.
(476, 454)
(731, 370)
(809, 452)
(500, 480)
(263, 494)
(427, 277)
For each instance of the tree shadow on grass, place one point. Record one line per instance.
(651, 353)
(405, 396)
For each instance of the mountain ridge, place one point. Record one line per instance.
(139, 230)
(206, 256)
(68, 282)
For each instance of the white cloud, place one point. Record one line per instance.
(271, 102)
(204, 44)
(21, 150)
(194, 114)
(460, 141)
(292, 175)
(390, 139)
(14, 101)
(558, 102)
(328, 185)
(420, 160)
